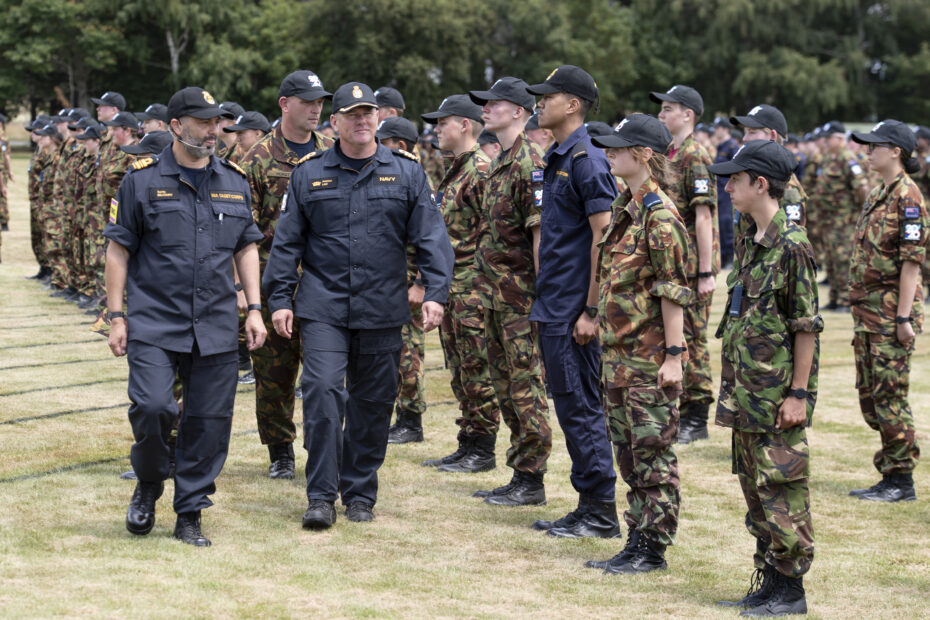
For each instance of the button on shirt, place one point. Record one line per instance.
(181, 242)
(349, 231)
(577, 184)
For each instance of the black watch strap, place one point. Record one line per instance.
(799, 393)
(591, 311)
(251, 307)
(116, 315)
(900, 320)
(238, 286)
(674, 350)
(705, 274)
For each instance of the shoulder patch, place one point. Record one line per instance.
(308, 157)
(912, 213)
(652, 200)
(793, 211)
(145, 162)
(701, 186)
(404, 153)
(912, 231)
(235, 167)
(855, 167)
(536, 176)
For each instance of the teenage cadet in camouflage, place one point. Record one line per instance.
(840, 188)
(154, 118)
(643, 283)
(59, 222)
(506, 284)
(578, 192)
(765, 122)
(226, 141)
(768, 383)
(460, 196)
(695, 195)
(50, 141)
(922, 178)
(250, 128)
(6, 174)
(38, 162)
(268, 166)
(887, 305)
(90, 219)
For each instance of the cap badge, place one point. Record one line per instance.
(208, 97)
(443, 103)
(874, 129)
(671, 90)
(738, 151)
(314, 81)
(239, 120)
(551, 74)
(356, 92)
(621, 124)
(755, 110)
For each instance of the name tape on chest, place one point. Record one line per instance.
(224, 196)
(163, 193)
(324, 183)
(793, 211)
(387, 179)
(912, 213)
(701, 186)
(912, 231)
(536, 176)
(562, 173)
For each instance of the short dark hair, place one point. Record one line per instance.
(776, 187)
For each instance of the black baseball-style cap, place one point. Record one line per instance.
(455, 105)
(352, 95)
(922, 132)
(722, 121)
(93, 131)
(889, 131)
(249, 120)
(123, 119)
(567, 79)
(764, 157)
(685, 95)
(111, 97)
(38, 122)
(763, 117)
(598, 128)
(82, 123)
(388, 97)
(152, 142)
(637, 130)
(488, 137)
(303, 84)
(195, 101)
(397, 127)
(231, 106)
(509, 89)
(533, 123)
(831, 128)
(156, 112)
(49, 130)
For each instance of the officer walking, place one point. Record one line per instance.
(178, 222)
(349, 215)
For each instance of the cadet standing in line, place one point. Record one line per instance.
(226, 142)
(887, 305)
(725, 148)
(50, 141)
(154, 118)
(540, 135)
(643, 283)
(922, 178)
(460, 196)
(390, 103)
(768, 383)
(350, 213)
(269, 165)
(577, 195)
(90, 219)
(695, 195)
(506, 282)
(250, 127)
(177, 224)
(6, 175)
(37, 164)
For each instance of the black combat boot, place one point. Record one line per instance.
(897, 488)
(140, 518)
(501, 490)
(282, 461)
(187, 529)
(878, 486)
(693, 425)
(599, 520)
(632, 540)
(761, 585)
(460, 452)
(407, 429)
(787, 598)
(63, 292)
(528, 491)
(646, 556)
(320, 515)
(480, 457)
(568, 520)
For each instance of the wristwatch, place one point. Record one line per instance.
(799, 393)
(674, 350)
(251, 307)
(238, 286)
(591, 311)
(900, 320)
(115, 315)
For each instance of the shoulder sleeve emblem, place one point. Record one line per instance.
(855, 167)
(307, 157)
(404, 153)
(912, 213)
(793, 212)
(912, 231)
(145, 162)
(536, 176)
(652, 200)
(701, 186)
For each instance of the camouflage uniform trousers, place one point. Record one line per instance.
(95, 250)
(697, 382)
(883, 368)
(840, 237)
(411, 395)
(642, 421)
(773, 470)
(465, 346)
(35, 233)
(513, 361)
(77, 260)
(57, 249)
(4, 205)
(275, 365)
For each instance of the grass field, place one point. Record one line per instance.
(433, 551)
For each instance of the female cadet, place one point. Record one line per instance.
(643, 286)
(887, 305)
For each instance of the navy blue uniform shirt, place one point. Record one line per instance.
(349, 231)
(577, 184)
(181, 244)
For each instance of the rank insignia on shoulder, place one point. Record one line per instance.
(536, 176)
(581, 153)
(793, 211)
(307, 157)
(145, 162)
(406, 154)
(912, 213)
(235, 167)
(701, 186)
(912, 232)
(652, 200)
(855, 167)
(114, 209)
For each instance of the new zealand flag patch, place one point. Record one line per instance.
(536, 176)
(912, 213)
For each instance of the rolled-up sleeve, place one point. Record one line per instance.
(668, 249)
(803, 309)
(126, 222)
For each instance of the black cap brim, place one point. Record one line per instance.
(612, 141)
(542, 89)
(748, 121)
(434, 116)
(313, 95)
(101, 102)
(206, 113)
(868, 138)
(135, 149)
(726, 169)
(481, 97)
(660, 97)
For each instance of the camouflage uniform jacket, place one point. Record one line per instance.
(772, 295)
(696, 187)
(460, 196)
(642, 259)
(110, 173)
(893, 228)
(268, 166)
(69, 156)
(37, 165)
(506, 278)
(794, 203)
(840, 176)
(811, 172)
(922, 177)
(46, 194)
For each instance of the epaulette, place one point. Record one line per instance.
(235, 167)
(582, 152)
(652, 200)
(404, 153)
(145, 162)
(308, 157)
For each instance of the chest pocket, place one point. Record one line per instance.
(327, 211)
(168, 223)
(229, 221)
(629, 258)
(277, 182)
(387, 208)
(760, 311)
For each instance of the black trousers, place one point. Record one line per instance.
(209, 391)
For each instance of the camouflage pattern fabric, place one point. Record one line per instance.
(642, 422)
(814, 214)
(777, 297)
(794, 202)
(85, 163)
(46, 205)
(773, 471)
(411, 393)
(59, 220)
(922, 178)
(37, 165)
(459, 196)
(5, 172)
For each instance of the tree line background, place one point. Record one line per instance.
(814, 59)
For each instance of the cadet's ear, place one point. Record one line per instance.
(763, 185)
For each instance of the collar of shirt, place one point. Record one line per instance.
(458, 162)
(560, 149)
(507, 157)
(886, 191)
(635, 207)
(168, 165)
(773, 231)
(332, 159)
